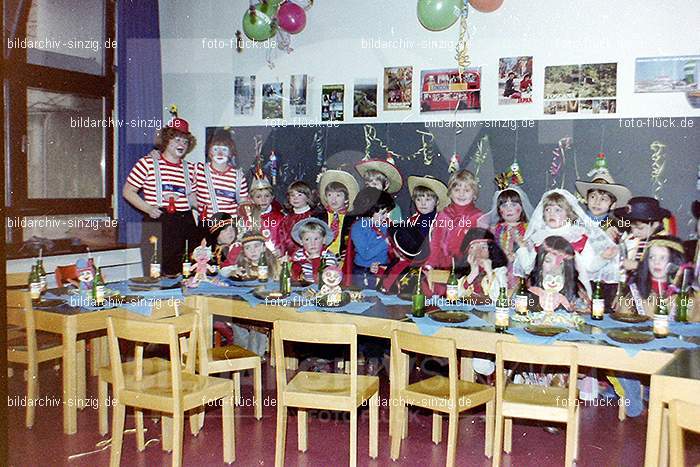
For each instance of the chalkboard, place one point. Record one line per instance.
(302, 151)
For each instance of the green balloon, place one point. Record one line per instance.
(437, 15)
(258, 27)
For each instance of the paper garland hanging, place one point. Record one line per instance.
(461, 50)
(658, 163)
(482, 152)
(559, 160)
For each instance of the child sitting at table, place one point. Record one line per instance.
(453, 222)
(252, 250)
(369, 235)
(337, 190)
(411, 249)
(554, 280)
(429, 196)
(222, 237)
(384, 176)
(263, 213)
(482, 266)
(313, 236)
(301, 202)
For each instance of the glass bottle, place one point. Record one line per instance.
(42, 274)
(418, 299)
(452, 293)
(285, 279)
(263, 270)
(597, 303)
(155, 265)
(660, 326)
(186, 264)
(34, 284)
(521, 297)
(502, 311)
(98, 288)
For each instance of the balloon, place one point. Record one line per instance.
(486, 6)
(291, 17)
(257, 25)
(437, 15)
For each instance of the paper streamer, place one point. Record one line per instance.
(371, 137)
(461, 50)
(559, 160)
(426, 149)
(658, 163)
(482, 151)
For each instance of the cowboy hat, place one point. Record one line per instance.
(342, 177)
(387, 168)
(368, 198)
(328, 235)
(603, 181)
(410, 242)
(432, 183)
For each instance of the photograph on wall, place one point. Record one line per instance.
(445, 90)
(598, 80)
(561, 82)
(588, 89)
(244, 95)
(515, 80)
(667, 74)
(272, 100)
(397, 88)
(365, 98)
(297, 94)
(332, 102)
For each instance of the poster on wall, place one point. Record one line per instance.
(272, 100)
(667, 74)
(244, 95)
(297, 94)
(332, 102)
(365, 98)
(446, 90)
(515, 80)
(588, 89)
(397, 87)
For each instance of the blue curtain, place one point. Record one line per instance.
(140, 99)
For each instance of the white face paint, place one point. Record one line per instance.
(219, 154)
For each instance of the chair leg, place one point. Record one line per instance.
(281, 436)
(353, 437)
(178, 425)
(102, 408)
(437, 428)
(229, 430)
(32, 392)
(621, 410)
(302, 429)
(118, 414)
(81, 389)
(498, 437)
(257, 388)
(399, 420)
(95, 355)
(196, 420)
(237, 386)
(508, 438)
(570, 443)
(166, 432)
(140, 441)
(664, 450)
(452, 437)
(488, 441)
(374, 425)
(577, 425)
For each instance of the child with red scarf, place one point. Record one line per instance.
(301, 204)
(263, 213)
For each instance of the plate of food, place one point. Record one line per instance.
(545, 331)
(449, 316)
(630, 337)
(144, 280)
(263, 294)
(322, 301)
(630, 317)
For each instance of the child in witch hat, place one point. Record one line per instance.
(384, 176)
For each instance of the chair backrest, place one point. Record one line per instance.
(316, 333)
(15, 279)
(141, 331)
(438, 276)
(555, 355)
(20, 313)
(683, 416)
(426, 345)
(64, 273)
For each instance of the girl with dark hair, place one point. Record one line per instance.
(482, 265)
(302, 202)
(554, 279)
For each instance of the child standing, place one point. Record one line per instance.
(369, 235)
(311, 236)
(301, 201)
(384, 176)
(429, 196)
(263, 213)
(452, 224)
(337, 190)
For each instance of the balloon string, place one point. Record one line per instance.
(462, 52)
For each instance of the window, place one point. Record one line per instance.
(58, 88)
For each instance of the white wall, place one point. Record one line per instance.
(329, 50)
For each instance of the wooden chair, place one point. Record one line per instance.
(16, 279)
(27, 346)
(172, 392)
(682, 416)
(437, 393)
(536, 402)
(324, 391)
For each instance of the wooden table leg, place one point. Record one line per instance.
(70, 413)
(656, 407)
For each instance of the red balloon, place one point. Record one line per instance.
(486, 6)
(291, 17)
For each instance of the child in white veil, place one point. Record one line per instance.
(558, 213)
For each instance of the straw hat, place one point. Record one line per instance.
(603, 181)
(432, 183)
(342, 177)
(385, 167)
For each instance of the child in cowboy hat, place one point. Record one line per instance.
(337, 190)
(169, 186)
(313, 236)
(384, 176)
(602, 194)
(429, 196)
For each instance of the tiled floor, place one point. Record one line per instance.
(604, 440)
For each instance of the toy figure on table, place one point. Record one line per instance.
(554, 278)
(202, 255)
(331, 291)
(86, 274)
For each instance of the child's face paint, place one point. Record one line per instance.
(599, 202)
(262, 199)
(312, 243)
(659, 258)
(461, 194)
(510, 211)
(554, 216)
(480, 250)
(177, 146)
(219, 154)
(336, 200)
(425, 204)
(253, 251)
(297, 199)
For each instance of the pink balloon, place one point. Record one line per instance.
(291, 17)
(486, 6)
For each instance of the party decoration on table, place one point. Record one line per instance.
(86, 273)
(291, 17)
(545, 331)
(244, 95)
(549, 294)
(515, 80)
(658, 163)
(438, 15)
(398, 82)
(331, 293)
(486, 6)
(449, 90)
(558, 319)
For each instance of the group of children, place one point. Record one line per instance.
(624, 242)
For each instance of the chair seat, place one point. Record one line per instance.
(44, 340)
(151, 366)
(194, 387)
(333, 385)
(468, 393)
(536, 395)
(229, 352)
